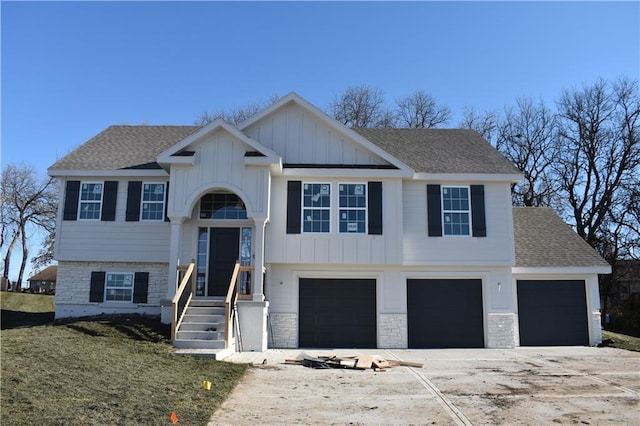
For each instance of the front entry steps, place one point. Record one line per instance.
(201, 332)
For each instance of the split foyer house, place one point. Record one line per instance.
(328, 237)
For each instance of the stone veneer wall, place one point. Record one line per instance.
(72, 288)
(283, 330)
(502, 331)
(392, 331)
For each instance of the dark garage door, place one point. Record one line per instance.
(552, 313)
(337, 313)
(445, 313)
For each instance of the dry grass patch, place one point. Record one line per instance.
(106, 370)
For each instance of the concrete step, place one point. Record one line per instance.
(200, 335)
(205, 310)
(207, 302)
(217, 354)
(202, 326)
(211, 319)
(198, 344)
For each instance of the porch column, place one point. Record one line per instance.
(166, 310)
(257, 289)
(174, 253)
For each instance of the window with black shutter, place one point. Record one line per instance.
(72, 194)
(96, 290)
(294, 212)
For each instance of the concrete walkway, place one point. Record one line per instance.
(462, 387)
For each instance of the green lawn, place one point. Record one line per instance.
(111, 370)
(622, 341)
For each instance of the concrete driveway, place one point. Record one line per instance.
(536, 386)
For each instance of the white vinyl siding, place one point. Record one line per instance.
(90, 200)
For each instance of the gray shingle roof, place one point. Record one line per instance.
(440, 150)
(48, 274)
(543, 239)
(425, 150)
(124, 147)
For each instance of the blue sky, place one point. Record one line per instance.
(70, 69)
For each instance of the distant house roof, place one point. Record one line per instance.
(440, 150)
(124, 147)
(543, 239)
(424, 150)
(48, 274)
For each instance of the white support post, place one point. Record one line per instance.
(174, 252)
(257, 289)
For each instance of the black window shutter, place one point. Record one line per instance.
(96, 291)
(166, 202)
(72, 194)
(294, 206)
(140, 287)
(109, 198)
(434, 211)
(478, 211)
(375, 208)
(134, 192)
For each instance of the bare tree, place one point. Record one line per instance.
(235, 115)
(420, 110)
(388, 119)
(526, 137)
(358, 106)
(599, 152)
(484, 123)
(26, 200)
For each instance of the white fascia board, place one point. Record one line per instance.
(340, 172)
(575, 270)
(497, 263)
(106, 173)
(468, 177)
(259, 161)
(330, 122)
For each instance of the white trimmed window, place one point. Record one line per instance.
(90, 200)
(352, 210)
(456, 210)
(153, 197)
(119, 287)
(316, 207)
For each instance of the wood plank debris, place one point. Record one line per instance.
(362, 362)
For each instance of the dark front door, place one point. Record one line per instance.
(224, 247)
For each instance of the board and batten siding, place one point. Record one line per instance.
(220, 164)
(335, 248)
(494, 249)
(113, 241)
(300, 138)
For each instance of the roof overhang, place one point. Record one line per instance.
(468, 177)
(555, 271)
(110, 173)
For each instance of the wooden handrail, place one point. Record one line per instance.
(227, 303)
(186, 280)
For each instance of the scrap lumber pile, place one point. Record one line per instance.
(374, 362)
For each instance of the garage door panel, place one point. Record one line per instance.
(337, 313)
(552, 313)
(445, 313)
